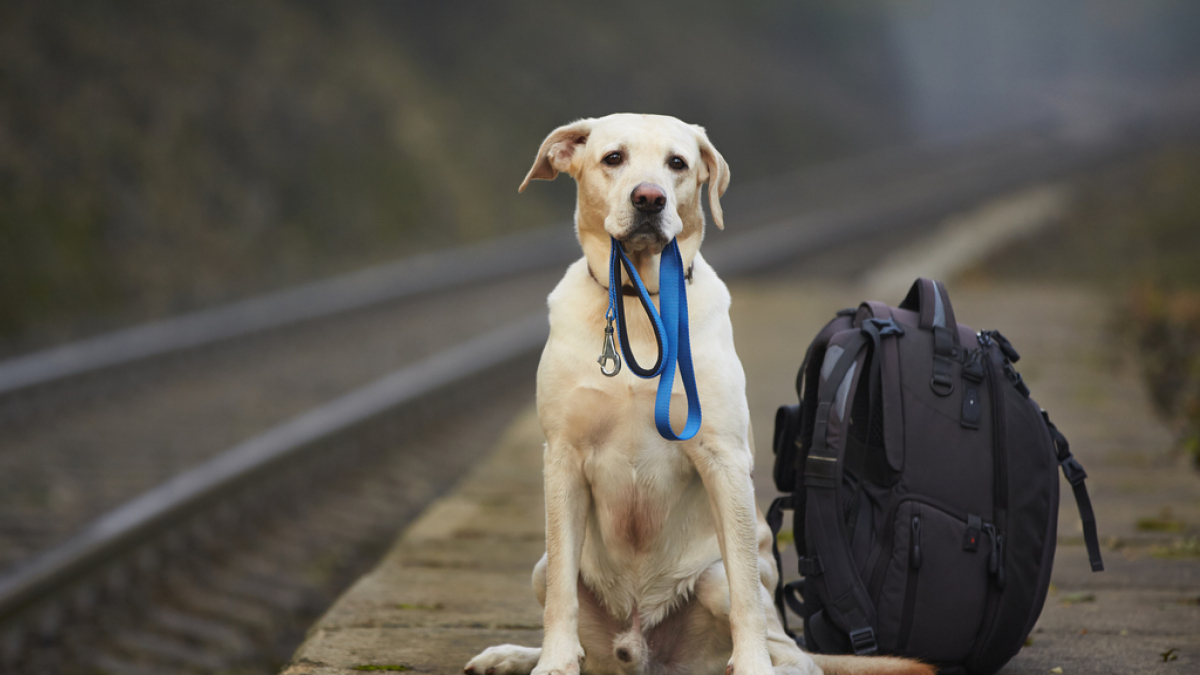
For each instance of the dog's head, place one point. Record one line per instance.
(639, 179)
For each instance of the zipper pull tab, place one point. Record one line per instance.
(993, 557)
(973, 368)
(914, 551)
(609, 351)
(1000, 581)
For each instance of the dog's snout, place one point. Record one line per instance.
(648, 198)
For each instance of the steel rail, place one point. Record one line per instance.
(179, 498)
(442, 270)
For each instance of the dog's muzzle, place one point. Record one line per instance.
(649, 200)
(646, 232)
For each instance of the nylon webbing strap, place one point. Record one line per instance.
(846, 600)
(672, 295)
(671, 331)
(1075, 475)
(775, 522)
(617, 298)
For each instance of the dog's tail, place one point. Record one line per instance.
(871, 665)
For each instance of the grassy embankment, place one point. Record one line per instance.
(156, 157)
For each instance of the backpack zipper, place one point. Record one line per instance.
(999, 498)
(875, 583)
(999, 453)
(910, 587)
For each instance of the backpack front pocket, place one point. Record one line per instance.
(940, 618)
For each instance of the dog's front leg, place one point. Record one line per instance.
(725, 470)
(567, 501)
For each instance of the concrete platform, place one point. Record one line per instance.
(458, 580)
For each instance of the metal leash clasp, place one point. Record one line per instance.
(609, 351)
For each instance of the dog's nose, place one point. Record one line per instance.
(648, 198)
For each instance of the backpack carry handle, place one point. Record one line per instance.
(929, 299)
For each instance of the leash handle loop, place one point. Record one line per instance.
(670, 331)
(616, 300)
(672, 295)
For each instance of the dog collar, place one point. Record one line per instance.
(627, 289)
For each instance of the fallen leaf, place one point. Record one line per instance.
(1071, 598)
(1123, 632)
(1169, 655)
(1083, 632)
(1028, 642)
(1057, 670)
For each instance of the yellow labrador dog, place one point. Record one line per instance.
(657, 560)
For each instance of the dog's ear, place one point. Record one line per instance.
(717, 175)
(557, 151)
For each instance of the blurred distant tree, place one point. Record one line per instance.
(157, 156)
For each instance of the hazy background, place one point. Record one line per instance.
(159, 157)
(162, 156)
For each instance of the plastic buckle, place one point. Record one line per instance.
(810, 566)
(1073, 470)
(1006, 347)
(885, 327)
(1015, 378)
(863, 641)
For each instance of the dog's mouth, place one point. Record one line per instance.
(646, 232)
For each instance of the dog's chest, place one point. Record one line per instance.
(640, 488)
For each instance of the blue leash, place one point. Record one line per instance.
(670, 331)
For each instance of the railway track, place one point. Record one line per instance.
(249, 465)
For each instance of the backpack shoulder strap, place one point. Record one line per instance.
(828, 554)
(806, 388)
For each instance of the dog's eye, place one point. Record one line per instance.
(613, 158)
(677, 163)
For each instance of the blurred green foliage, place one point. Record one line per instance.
(161, 156)
(1134, 232)
(1133, 224)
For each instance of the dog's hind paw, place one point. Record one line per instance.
(750, 666)
(504, 660)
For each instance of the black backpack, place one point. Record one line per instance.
(923, 481)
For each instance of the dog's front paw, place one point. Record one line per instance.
(504, 660)
(560, 661)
